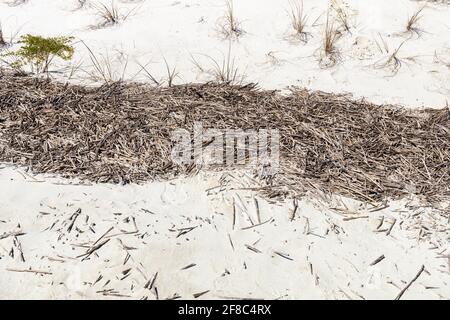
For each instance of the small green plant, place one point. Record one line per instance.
(39, 52)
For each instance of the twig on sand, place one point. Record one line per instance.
(234, 213)
(150, 283)
(377, 260)
(257, 225)
(283, 255)
(19, 248)
(72, 219)
(184, 231)
(93, 249)
(258, 214)
(410, 283)
(198, 295)
(29, 271)
(11, 234)
(355, 217)
(97, 245)
(391, 227)
(294, 211)
(251, 248)
(189, 266)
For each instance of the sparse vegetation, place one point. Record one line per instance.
(298, 19)
(103, 68)
(224, 71)
(172, 73)
(38, 52)
(80, 4)
(341, 16)
(413, 20)
(109, 15)
(148, 74)
(392, 61)
(230, 26)
(330, 51)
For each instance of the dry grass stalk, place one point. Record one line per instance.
(230, 26)
(147, 73)
(341, 16)
(2, 38)
(121, 133)
(298, 19)
(110, 15)
(411, 25)
(81, 4)
(172, 73)
(103, 69)
(330, 51)
(392, 62)
(224, 71)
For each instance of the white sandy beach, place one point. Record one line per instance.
(319, 253)
(266, 52)
(206, 236)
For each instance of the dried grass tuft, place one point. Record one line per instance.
(413, 20)
(229, 25)
(331, 54)
(2, 38)
(298, 19)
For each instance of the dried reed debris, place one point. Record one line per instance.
(121, 133)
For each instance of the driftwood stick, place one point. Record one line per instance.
(410, 283)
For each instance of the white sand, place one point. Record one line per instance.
(326, 256)
(321, 254)
(266, 53)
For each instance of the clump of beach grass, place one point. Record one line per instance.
(330, 53)
(110, 15)
(229, 25)
(298, 19)
(223, 70)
